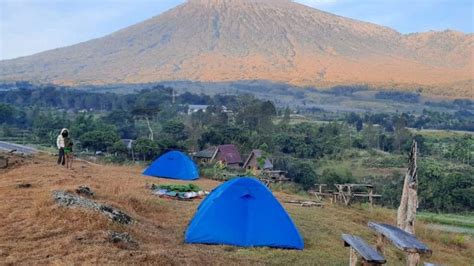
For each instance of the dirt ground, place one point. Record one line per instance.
(35, 230)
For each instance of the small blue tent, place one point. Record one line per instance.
(243, 212)
(173, 165)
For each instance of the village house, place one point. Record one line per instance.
(227, 154)
(194, 108)
(257, 161)
(205, 156)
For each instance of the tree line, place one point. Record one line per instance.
(158, 121)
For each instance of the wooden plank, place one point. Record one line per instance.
(368, 253)
(366, 195)
(356, 185)
(400, 239)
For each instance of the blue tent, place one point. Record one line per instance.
(173, 165)
(243, 212)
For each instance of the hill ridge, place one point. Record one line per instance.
(282, 41)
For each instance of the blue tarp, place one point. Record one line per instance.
(173, 165)
(243, 212)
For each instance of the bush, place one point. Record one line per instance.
(303, 174)
(331, 177)
(99, 140)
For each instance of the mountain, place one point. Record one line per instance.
(275, 40)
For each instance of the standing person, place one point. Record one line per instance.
(60, 144)
(68, 154)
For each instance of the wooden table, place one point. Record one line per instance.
(401, 240)
(346, 192)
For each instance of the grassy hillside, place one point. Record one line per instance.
(36, 230)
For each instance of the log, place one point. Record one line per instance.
(67, 199)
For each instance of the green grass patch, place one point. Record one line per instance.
(466, 221)
(178, 188)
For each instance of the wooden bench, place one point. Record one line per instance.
(368, 254)
(347, 192)
(403, 240)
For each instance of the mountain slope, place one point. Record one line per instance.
(225, 40)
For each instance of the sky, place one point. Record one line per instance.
(32, 26)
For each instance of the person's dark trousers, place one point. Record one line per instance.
(61, 158)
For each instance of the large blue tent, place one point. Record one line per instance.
(173, 165)
(243, 212)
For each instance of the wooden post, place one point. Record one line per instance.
(370, 198)
(409, 201)
(413, 259)
(380, 244)
(352, 257)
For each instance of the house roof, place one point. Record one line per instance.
(258, 154)
(207, 153)
(229, 153)
(198, 106)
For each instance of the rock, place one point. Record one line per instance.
(84, 190)
(70, 200)
(115, 215)
(123, 239)
(25, 185)
(116, 237)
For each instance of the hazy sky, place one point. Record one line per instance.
(31, 26)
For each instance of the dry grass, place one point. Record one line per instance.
(34, 230)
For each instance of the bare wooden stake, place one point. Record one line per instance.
(352, 257)
(409, 201)
(380, 244)
(413, 259)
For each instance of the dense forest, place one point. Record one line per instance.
(159, 121)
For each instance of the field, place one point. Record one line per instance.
(449, 222)
(37, 231)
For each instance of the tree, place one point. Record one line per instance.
(99, 140)
(370, 136)
(146, 113)
(119, 148)
(331, 177)
(285, 121)
(47, 126)
(359, 125)
(175, 130)
(147, 148)
(303, 174)
(124, 122)
(401, 134)
(257, 115)
(7, 113)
